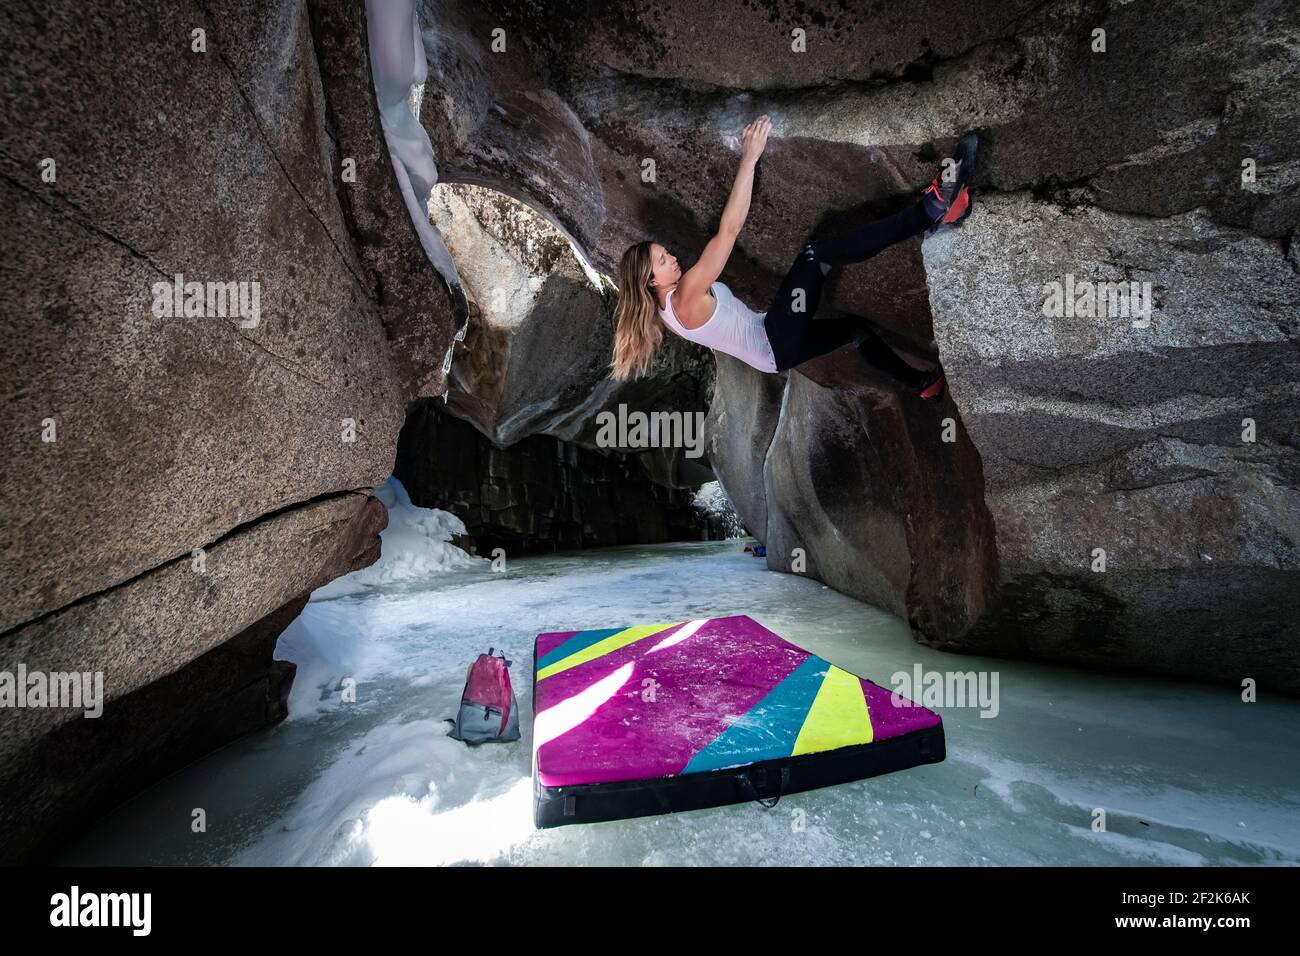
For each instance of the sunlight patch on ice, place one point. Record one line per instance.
(406, 832)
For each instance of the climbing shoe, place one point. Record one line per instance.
(950, 202)
(933, 384)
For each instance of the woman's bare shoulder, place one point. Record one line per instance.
(693, 311)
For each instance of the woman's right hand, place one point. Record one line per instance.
(753, 140)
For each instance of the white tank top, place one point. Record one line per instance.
(733, 328)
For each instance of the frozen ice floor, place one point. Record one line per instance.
(1187, 774)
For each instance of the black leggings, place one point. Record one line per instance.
(792, 329)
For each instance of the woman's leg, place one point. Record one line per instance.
(860, 244)
(792, 329)
(794, 336)
(873, 348)
(819, 336)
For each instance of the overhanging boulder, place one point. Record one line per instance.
(1143, 472)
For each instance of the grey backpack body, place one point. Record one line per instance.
(488, 708)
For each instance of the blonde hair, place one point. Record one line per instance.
(637, 329)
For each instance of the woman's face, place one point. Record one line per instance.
(664, 271)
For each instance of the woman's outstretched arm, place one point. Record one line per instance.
(696, 280)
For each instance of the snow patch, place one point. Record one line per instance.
(330, 641)
(416, 544)
(711, 500)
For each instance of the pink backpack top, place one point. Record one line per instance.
(487, 705)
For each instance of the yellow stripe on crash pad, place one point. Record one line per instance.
(838, 716)
(629, 635)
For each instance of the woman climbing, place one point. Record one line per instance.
(699, 308)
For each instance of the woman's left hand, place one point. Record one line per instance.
(753, 139)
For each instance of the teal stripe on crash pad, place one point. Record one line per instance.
(579, 641)
(769, 729)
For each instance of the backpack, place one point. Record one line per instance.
(488, 709)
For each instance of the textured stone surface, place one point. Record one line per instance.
(541, 493)
(1158, 124)
(89, 766)
(848, 480)
(185, 427)
(418, 310)
(536, 356)
(494, 121)
(541, 327)
(1161, 120)
(175, 434)
(142, 632)
(742, 418)
(1098, 434)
